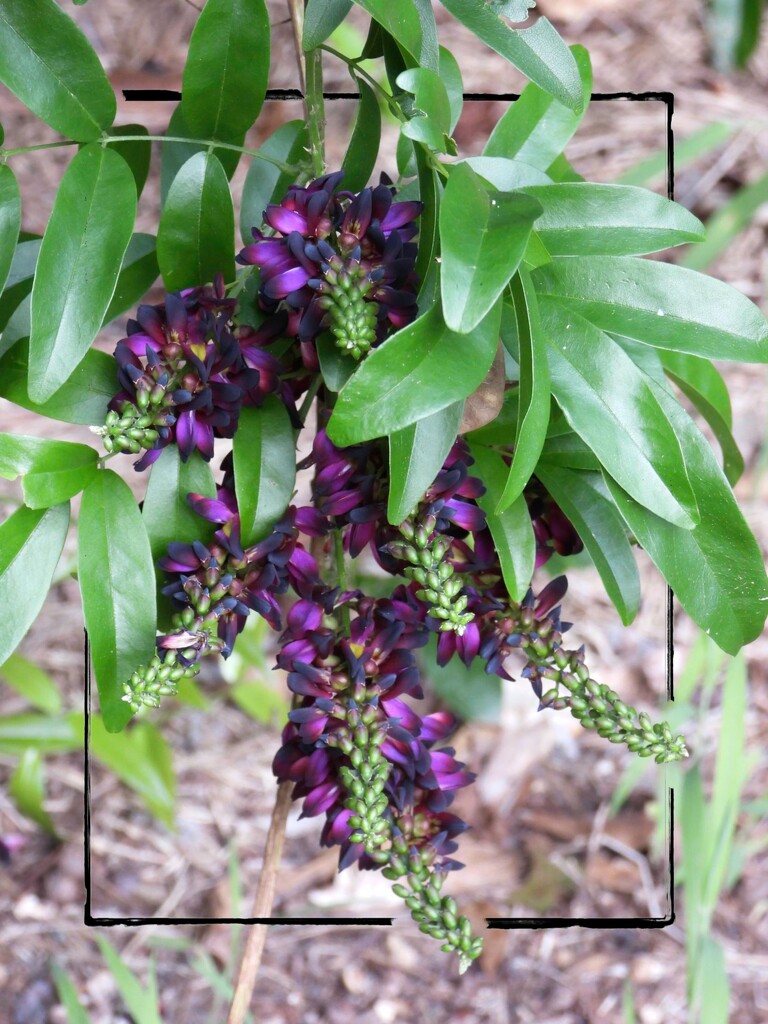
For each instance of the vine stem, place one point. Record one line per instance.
(262, 906)
(311, 79)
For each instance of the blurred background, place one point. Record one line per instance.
(564, 825)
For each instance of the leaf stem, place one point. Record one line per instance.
(353, 63)
(5, 153)
(315, 110)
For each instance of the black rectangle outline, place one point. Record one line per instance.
(506, 923)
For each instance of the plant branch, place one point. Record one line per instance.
(262, 906)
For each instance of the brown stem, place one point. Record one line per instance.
(262, 906)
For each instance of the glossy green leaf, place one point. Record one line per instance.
(52, 471)
(335, 366)
(227, 69)
(19, 281)
(30, 545)
(471, 693)
(265, 183)
(405, 21)
(536, 128)
(483, 236)
(659, 304)
(586, 219)
(561, 170)
(67, 992)
(416, 456)
(430, 122)
(26, 788)
(363, 149)
(429, 236)
(32, 683)
(136, 152)
(138, 273)
(569, 450)
(166, 512)
(616, 408)
(418, 371)
(50, 734)
(174, 155)
(80, 258)
(450, 73)
(729, 221)
(48, 63)
(321, 19)
(197, 226)
(265, 467)
(141, 757)
(701, 383)
(18, 325)
(538, 52)
(505, 175)
(117, 583)
(10, 220)
(534, 390)
(512, 529)
(583, 499)
(82, 399)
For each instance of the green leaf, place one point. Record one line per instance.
(166, 512)
(259, 701)
(138, 273)
(714, 986)
(483, 236)
(26, 788)
(429, 237)
(117, 583)
(321, 19)
(416, 456)
(30, 545)
(66, 990)
(512, 530)
(18, 325)
(18, 283)
(82, 399)
(48, 63)
(34, 685)
(80, 257)
(335, 366)
(616, 408)
(561, 170)
(701, 383)
(539, 52)
(729, 221)
(687, 151)
(431, 119)
(265, 183)
(141, 757)
(585, 219)
(50, 734)
(405, 21)
(582, 498)
(659, 304)
(10, 220)
(52, 471)
(537, 128)
(136, 153)
(175, 154)
(505, 175)
(418, 371)
(515, 10)
(265, 467)
(363, 149)
(471, 693)
(197, 226)
(569, 450)
(450, 73)
(534, 391)
(227, 68)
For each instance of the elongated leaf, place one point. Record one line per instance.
(335, 366)
(34, 685)
(659, 304)
(141, 1002)
(418, 371)
(138, 273)
(48, 63)
(616, 408)
(537, 128)
(50, 734)
(141, 757)
(505, 175)
(701, 143)
(363, 149)
(534, 391)
(197, 226)
(483, 236)
(321, 19)
(429, 236)
(30, 545)
(729, 221)
(166, 512)
(266, 183)
(583, 499)
(117, 583)
(10, 220)
(586, 219)
(431, 120)
(512, 530)
(402, 19)
(539, 52)
(67, 992)
(78, 266)
(52, 471)
(27, 789)
(175, 154)
(84, 397)
(265, 467)
(450, 73)
(136, 153)
(714, 988)
(569, 450)
(227, 69)
(416, 456)
(19, 281)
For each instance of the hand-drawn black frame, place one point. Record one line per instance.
(667, 98)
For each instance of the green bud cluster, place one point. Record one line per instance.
(595, 705)
(158, 678)
(134, 428)
(436, 915)
(352, 314)
(441, 588)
